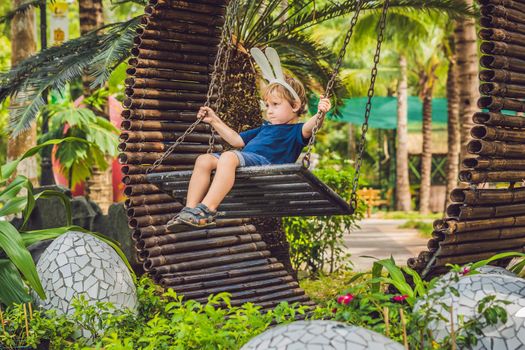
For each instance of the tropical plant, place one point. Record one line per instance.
(77, 158)
(17, 268)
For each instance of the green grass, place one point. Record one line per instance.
(425, 228)
(326, 288)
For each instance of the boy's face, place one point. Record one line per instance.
(280, 111)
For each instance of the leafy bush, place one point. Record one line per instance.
(316, 243)
(162, 321)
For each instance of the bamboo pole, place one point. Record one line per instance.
(213, 276)
(494, 234)
(453, 226)
(515, 4)
(203, 254)
(496, 104)
(493, 164)
(475, 176)
(502, 90)
(502, 23)
(489, 133)
(240, 266)
(205, 285)
(152, 83)
(151, 114)
(150, 158)
(249, 289)
(509, 14)
(502, 76)
(208, 262)
(488, 196)
(498, 119)
(180, 15)
(193, 235)
(158, 136)
(147, 125)
(464, 212)
(468, 258)
(141, 169)
(211, 243)
(494, 34)
(503, 62)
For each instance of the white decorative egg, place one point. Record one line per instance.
(78, 263)
(326, 335)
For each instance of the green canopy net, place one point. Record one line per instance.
(384, 112)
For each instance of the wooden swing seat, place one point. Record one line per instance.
(265, 191)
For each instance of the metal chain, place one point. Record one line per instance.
(329, 87)
(218, 63)
(370, 94)
(226, 38)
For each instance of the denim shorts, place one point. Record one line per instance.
(247, 158)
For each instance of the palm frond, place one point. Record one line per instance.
(114, 50)
(306, 19)
(54, 67)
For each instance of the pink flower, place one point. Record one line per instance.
(399, 298)
(334, 310)
(345, 299)
(465, 271)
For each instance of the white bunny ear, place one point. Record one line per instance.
(262, 62)
(274, 60)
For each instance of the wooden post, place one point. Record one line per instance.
(387, 321)
(403, 324)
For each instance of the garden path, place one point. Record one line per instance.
(381, 238)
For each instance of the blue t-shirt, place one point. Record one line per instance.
(279, 143)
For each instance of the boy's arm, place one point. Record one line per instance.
(309, 126)
(323, 107)
(228, 134)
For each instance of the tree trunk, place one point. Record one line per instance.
(454, 133)
(99, 187)
(468, 70)
(242, 111)
(91, 17)
(23, 45)
(426, 155)
(403, 201)
(352, 149)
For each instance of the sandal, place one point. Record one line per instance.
(175, 225)
(199, 217)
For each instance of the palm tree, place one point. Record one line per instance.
(23, 45)
(406, 31)
(468, 68)
(99, 186)
(454, 132)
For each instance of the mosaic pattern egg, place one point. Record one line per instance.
(320, 335)
(487, 269)
(473, 289)
(78, 263)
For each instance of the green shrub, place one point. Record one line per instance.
(316, 243)
(161, 321)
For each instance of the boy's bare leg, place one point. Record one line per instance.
(223, 181)
(200, 179)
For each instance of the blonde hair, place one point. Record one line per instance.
(276, 89)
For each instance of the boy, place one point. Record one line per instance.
(280, 140)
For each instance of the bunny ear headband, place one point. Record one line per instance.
(266, 61)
